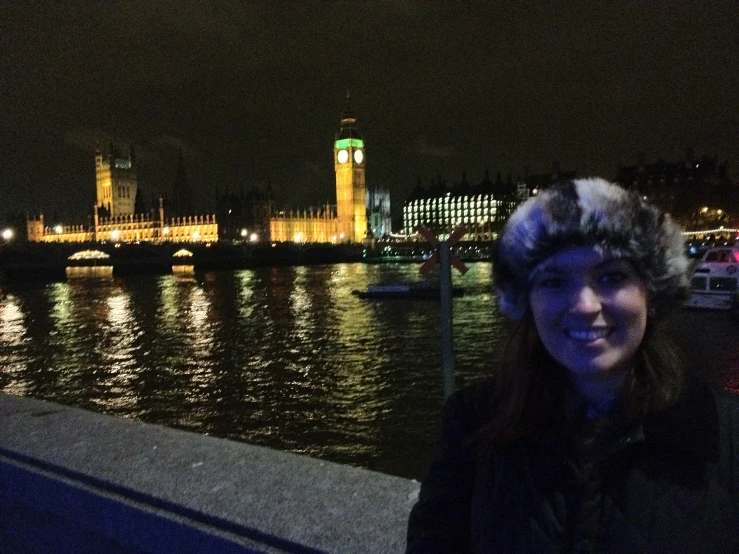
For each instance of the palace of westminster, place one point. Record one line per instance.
(358, 215)
(361, 215)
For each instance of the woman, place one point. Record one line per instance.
(587, 437)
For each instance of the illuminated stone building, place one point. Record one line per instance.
(378, 213)
(128, 228)
(349, 222)
(306, 225)
(117, 186)
(114, 214)
(349, 163)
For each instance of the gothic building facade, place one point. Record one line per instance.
(116, 183)
(115, 218)
(245, 216)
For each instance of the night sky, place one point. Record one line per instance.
(252, 91)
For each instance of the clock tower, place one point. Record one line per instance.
(349, 163)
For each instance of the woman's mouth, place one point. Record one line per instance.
(589, 335)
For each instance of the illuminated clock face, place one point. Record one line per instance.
(358, 156)
(342, 156)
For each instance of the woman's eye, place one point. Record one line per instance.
(614, 277)
(550, 283)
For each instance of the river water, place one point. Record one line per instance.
(282, 357)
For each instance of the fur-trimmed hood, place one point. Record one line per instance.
(591, 212)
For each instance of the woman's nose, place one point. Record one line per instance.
(586, 300)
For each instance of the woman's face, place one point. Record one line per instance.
(590, 312)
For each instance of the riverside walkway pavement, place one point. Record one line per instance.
(76, 481)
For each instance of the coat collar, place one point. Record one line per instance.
(690, 425)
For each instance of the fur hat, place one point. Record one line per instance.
(591, 212)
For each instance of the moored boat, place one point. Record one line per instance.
(421, 291)
(714, 281)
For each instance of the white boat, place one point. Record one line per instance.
(714, 281)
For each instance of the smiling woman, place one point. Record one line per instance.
(587, 437)
(591, 314)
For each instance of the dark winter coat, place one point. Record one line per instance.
(669, 484)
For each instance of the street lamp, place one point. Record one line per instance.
(58, 229)
(7, 234)
(115, 234)
(253, 237)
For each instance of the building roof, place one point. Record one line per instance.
(348, 123)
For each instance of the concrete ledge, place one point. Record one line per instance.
(76, 481)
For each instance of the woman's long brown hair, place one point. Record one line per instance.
(529, 385)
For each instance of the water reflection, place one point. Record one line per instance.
(92, 272)
(199, 339)
(187, 271)
(118, 368)
(284, 357)
(13, 328)
(12, 337)
(60, 300)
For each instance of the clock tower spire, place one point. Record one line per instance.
(349, 164)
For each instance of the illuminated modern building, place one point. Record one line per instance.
(483, 209)
(349, 222)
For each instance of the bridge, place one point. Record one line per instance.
(50, 260)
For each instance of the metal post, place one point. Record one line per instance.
(447, 340)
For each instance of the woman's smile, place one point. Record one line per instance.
(588, 335)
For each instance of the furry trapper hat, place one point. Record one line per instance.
(591, 212)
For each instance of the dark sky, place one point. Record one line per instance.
(253, 91)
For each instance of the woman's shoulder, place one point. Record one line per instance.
(704, 422)
(727, 402)
(470, 408)
(727, 454)
(727, 408)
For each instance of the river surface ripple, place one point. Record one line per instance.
(281, 357)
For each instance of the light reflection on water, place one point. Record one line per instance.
(283, 357)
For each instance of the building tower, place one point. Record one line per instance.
(181, 204)
(349, 164)
(116, 182)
